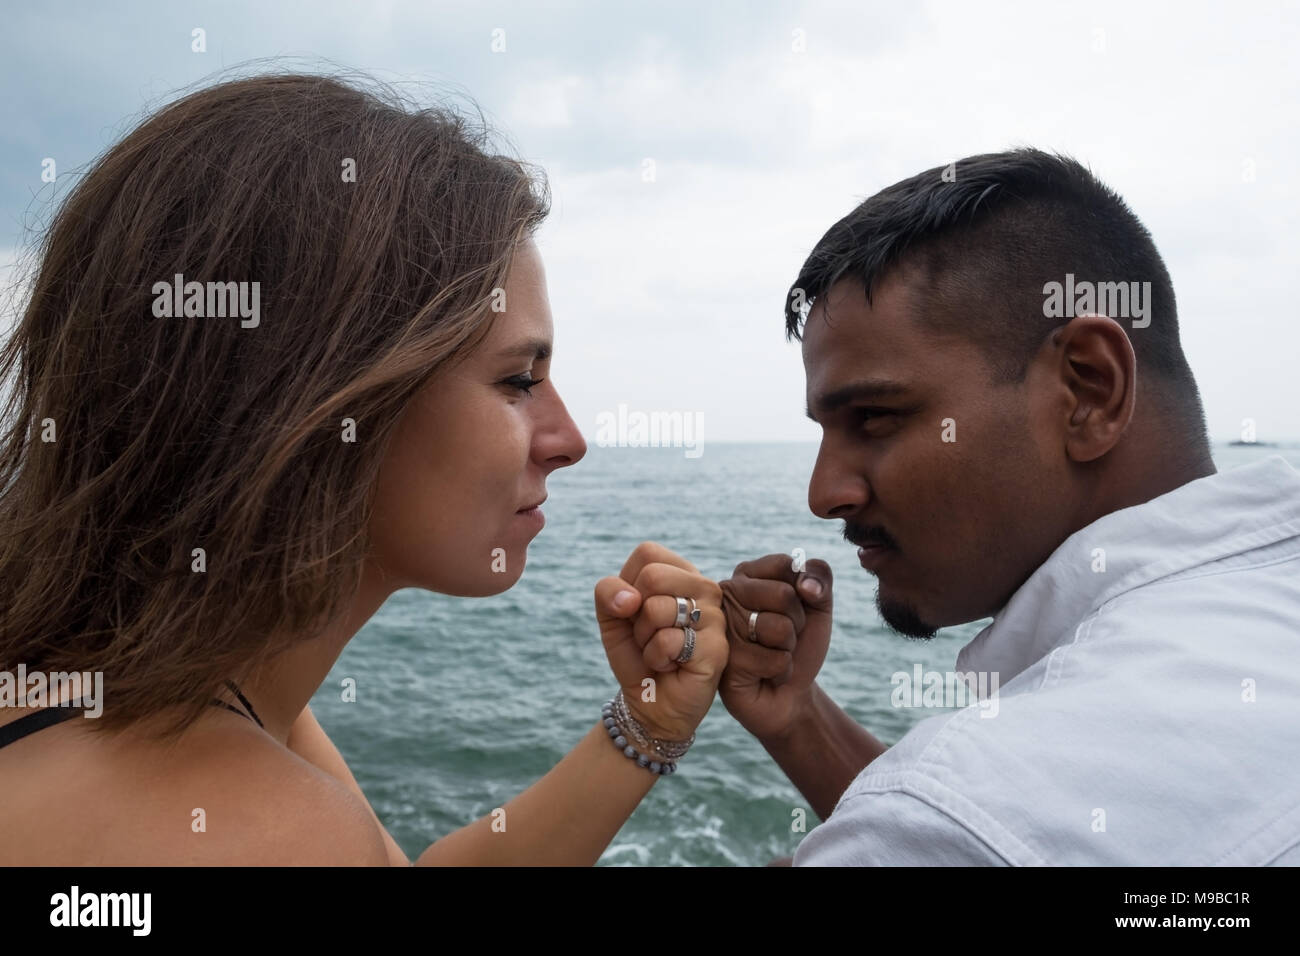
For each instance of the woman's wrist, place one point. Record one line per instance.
(645, 719)
(639, 743)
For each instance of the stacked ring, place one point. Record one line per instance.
(688, 648)
(683, 616)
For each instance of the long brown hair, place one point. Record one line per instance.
(172, 434)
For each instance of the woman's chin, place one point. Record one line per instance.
(501, 578)
(500, 583)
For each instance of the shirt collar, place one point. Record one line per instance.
(1204, 520)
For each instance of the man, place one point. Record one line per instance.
(1010, 429)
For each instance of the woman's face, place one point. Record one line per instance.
(454, 508)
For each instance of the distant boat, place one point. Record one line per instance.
(1255, 444)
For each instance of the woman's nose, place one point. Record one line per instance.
(560, 443)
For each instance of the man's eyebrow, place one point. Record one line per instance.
(865, 389)
(539, 349)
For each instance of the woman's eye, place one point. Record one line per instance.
(524, 383)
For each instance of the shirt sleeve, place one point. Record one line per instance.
(892, 828)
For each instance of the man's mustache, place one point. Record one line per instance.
(868, 536)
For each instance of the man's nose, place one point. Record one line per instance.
(837, 488)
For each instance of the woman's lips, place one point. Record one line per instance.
(532, 515)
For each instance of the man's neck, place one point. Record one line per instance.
(1152, 471)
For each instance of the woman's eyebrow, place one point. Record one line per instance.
(539, 349)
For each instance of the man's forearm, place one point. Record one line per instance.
(823, 752)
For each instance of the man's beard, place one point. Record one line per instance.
(902, 617)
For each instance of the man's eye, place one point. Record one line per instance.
(868, 415)
(524, 383)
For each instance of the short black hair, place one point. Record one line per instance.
(982, 237)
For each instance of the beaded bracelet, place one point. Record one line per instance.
(620, 741)
(665, 749)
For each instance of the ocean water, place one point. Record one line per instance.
(464, 703)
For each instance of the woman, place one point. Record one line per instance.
(286, 353)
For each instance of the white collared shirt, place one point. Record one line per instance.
(1147, 714)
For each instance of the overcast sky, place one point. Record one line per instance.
(667, 295)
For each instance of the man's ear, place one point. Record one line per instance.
(1099, 371)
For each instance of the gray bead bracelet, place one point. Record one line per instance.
(616, 734)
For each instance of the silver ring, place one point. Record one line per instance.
(681, 613)
(688, 649)
(753, 626)
(695, 612)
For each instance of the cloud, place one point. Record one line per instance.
(765, 123)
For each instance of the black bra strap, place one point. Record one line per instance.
(244, 700)
(49, 716)
(46, 717)
(221, 703)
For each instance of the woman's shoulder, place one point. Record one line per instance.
(270, 807)
(223, 795)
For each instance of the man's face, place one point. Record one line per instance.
(962, 481)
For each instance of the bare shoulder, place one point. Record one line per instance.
(266, 806)
(225, 795)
